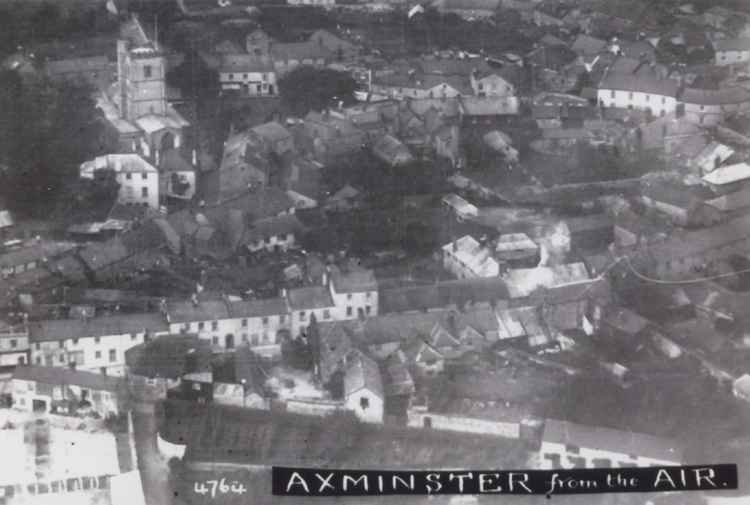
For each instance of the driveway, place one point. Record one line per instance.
(154, 469)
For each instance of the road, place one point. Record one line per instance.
(154, 469)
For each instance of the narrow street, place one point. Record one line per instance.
(154, 469)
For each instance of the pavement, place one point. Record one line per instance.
(154, 468)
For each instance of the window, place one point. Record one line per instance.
(368, 309)
(13, 343)
(186, 327)
(254, 339)
(215, 340)
(302, 316)
(97, 340)
(133, 336)
(364, 403)
(349, 311)
(612, 94)
(264, 77)
(61, 344)
(128, 176)
(265, 338)
(244, 338)
(75, 341)
(38, 360)
(265, 321)
(648, 98)
(282, 319)
(37, 346)
(98, 354)
(244, 76)
(702, 107)
(144, 175)
(349, 296)
(144, 192)
(231, 76)
(574, 449)
(201, 326)
(214, 325)
(112, 355)
(368, 295)
(630, 95)
(244, 323)
(326, 314)
(663, 99)
(147, 71)
(62, 358)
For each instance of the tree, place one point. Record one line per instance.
(49, 129)
(193, 78)
(307, 88)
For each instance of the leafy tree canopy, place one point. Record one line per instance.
(48, 130)
(306, 88)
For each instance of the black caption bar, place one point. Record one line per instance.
(323, 482)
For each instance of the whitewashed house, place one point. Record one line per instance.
(363, 389)
(138, 179)
(626, 91)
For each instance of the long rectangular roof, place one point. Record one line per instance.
(626, 82)
(618, 441)
(54, 375)
(311, 297)
(120, 324)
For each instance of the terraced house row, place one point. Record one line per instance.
(98, 344)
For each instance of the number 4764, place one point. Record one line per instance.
(214, 487)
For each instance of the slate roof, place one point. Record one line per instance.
(618, 441)
(258, 308)
(626, 82)
(310, 297)
(734, 44)
(64, 376)
(261, 229)
(353, 280)
(587, 45)
(362, 373)
(239, 63)
(100, 255)
(723, 96)
(443, 294)
(119, 324)
(205, 310)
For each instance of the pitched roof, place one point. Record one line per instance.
(205, 310)
(65, 376)
(627, 82)
(261, 229)
(587, 45)
(258, 308)
(732, 201)
(272, 131)
(734, 44)
(34, 253)
(618, 441)
(723, 96)
(244, 63)
(119, 324)
(523, 281)
(488, 106)
(443, 294)
(700, 241)
(728, 174)
(299, 51)
(310, 297)
(100, 255)
(362, 373)
(353, 280)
